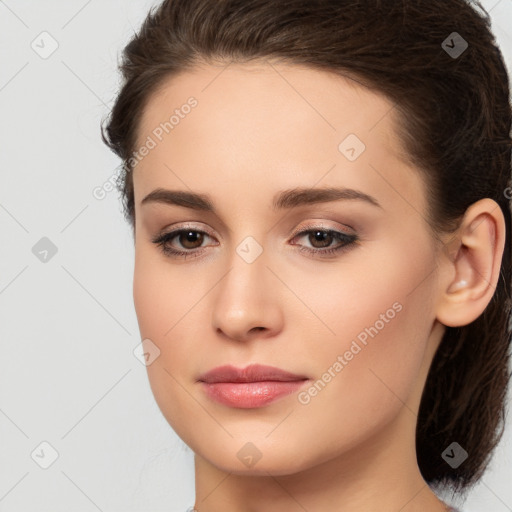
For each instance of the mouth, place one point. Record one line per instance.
(250, 387)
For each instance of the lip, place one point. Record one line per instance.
(251, 387)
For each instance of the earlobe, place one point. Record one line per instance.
(472, 274)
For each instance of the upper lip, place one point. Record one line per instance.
(251, 373)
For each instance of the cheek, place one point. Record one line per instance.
(163, 293)
(150, 295)
(381, 320)
(161, 304)
(160, 301)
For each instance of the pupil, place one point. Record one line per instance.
(321, 236)
(192, 237)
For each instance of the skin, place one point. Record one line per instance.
(258, 129)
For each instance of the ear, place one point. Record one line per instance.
(470, 264)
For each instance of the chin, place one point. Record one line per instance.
(260, 456)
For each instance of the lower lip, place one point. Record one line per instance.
(248, 395)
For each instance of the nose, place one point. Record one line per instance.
(247, 303)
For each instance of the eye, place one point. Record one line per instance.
(321, 239)
(191, 241)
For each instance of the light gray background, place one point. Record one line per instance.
(68, 374)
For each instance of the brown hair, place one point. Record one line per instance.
(454, 118)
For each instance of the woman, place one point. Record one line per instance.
(319, 195)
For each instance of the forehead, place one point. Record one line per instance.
(266, 124)
(247, 94)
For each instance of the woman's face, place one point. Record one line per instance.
(266, 281)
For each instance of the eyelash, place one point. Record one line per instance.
(163, 241)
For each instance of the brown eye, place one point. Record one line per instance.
(185, 242)
(191, 239)
(190, 242)
(320, 239)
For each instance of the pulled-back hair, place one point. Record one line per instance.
(453, 116)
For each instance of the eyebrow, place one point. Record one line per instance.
(285, 199)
